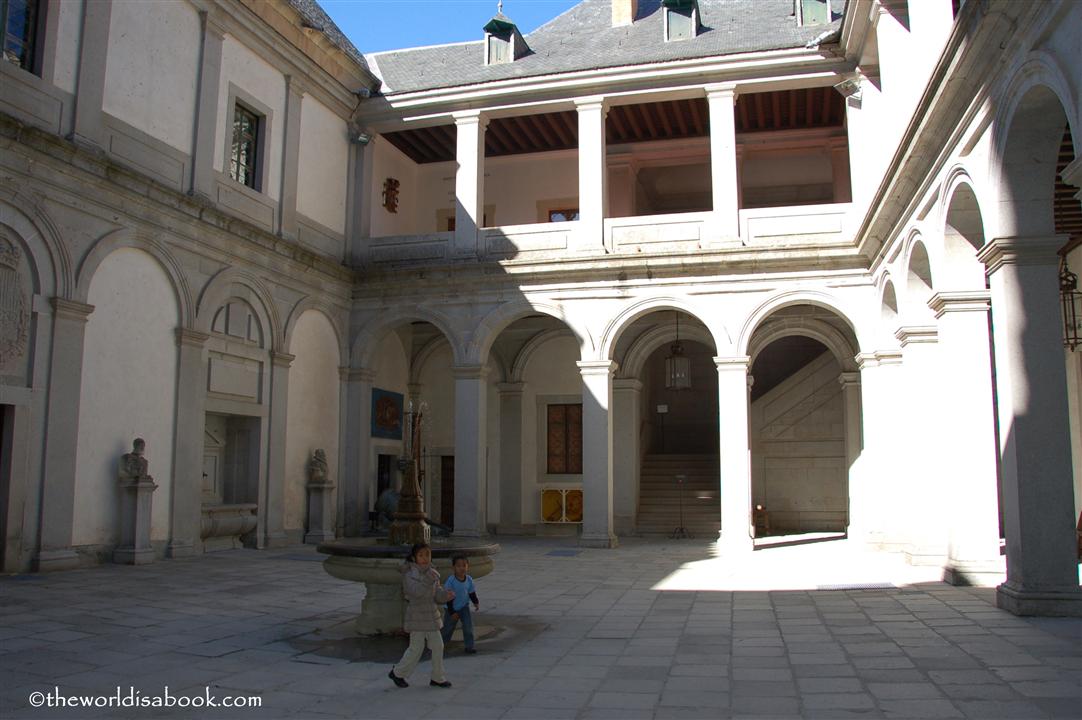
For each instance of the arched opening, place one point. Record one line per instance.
(800, 422)
(919, 285)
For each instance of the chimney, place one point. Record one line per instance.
(624, 11)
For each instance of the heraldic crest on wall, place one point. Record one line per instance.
(14, 318)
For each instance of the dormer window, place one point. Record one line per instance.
(812, 12)
(681, 19)
(503, 41)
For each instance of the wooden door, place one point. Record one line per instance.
(447, 490)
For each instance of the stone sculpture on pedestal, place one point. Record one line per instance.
(136, 488)
(320, 497)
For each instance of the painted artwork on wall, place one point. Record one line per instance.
(386, 414)
(561, 505)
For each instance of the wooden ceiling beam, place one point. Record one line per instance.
(681, 120)
(616, 120)
(429, 141)
(541, 124)
(663, 111)
(760, 112)
(827, 104)
(742, 110)
(499, 137)
(557, 125)
(809, 109)
(792, 108)
(647, 119)
(636, 131)
(404, 141)
(696, 108)
(775, 107)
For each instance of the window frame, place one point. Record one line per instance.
(238, 97)
(569, 467)
(251, 178)
(35, 43)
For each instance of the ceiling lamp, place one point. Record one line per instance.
(677, 365)
(1071, 300)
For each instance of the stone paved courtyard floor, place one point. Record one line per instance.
(653, 629)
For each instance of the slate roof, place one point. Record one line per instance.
(317, 17)
(583, 39)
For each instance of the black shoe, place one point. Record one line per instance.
(470, 651)
(445, 683)
(400, 682)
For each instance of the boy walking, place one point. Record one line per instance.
(460, 584)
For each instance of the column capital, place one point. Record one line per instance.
(739, 363)
(469, 372)
(1043, 250)
(849, 379)
(470, 117)
(596, 367)
(721, 91)
(960, 301)
(357, 374)
(510, 389)
(281, 359)
(916, 334)
(878, 358)
(70, 309)
(191, 338)
(593, 102)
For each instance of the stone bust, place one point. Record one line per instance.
(133, 466)
(317, 468)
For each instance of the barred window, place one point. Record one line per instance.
(565, 439)
(244, 158)
(21, 20)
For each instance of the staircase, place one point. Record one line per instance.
(659, 495)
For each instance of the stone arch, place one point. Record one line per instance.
(963, 234)
(639, 352)
(127, 238)
(501, 317)
(529, 350)
(310, 303)
(787, 299)
(919, 280)
(48, 255)
(633, 312)
(814, 328)
(242, 285)
(418, 362)
(373, 330)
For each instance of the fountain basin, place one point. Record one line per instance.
(376, 564)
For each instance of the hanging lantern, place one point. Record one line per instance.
(1071, 300)
(677, 365)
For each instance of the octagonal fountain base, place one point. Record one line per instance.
(376, 564)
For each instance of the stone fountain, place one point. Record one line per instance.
(376, 561)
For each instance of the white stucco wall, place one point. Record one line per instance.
(550, 372)
(323, 164)
(312, 411)
(514, 185)
(392, 373)
(438, 392)
(68, 27)
(389, 162)
(152, 69)
(129, 391)
(262, 81)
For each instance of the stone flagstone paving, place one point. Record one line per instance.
(653, 629)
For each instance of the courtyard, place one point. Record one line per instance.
(651, 629)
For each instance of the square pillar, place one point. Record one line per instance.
(291, 150)
(187, 486)
(873, 478)
(469, 182)
(593, 172)
(62, 435)
(725, 184)
(626, 411)
(90, 82)
(850, 382)
(274, 514)
(1034, 445)
(471, 449)
(354, 482)
(735, 455)
(511, 455)
(597, 530)
(206, 118)
(973, 546)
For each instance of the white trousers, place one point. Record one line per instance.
(409, 661)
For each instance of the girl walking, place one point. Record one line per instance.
(423, 620)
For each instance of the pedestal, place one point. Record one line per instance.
(135, 503)
(320, 513)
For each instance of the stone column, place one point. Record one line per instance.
(471, 446)
(874, 480)
(721, 100)
(469, 182)
(626, 409)
(850, 382)
(593, 172)
(839, 164)
(206, 119)
(62, 435)
(623, 175)
(1035, 451)
(359, 201)
(919, 507)
(274, 515)
(597, 529)
(356, 442)
(90, 82)
(511, 455)
(735, 455)
(291, 148)
(187, 485)
(970, 463)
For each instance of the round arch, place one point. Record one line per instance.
(128, 238)
(384, 320)
(963, 235)
(496, 321)
(813, 328)
(530, 349)
(224, 286)
(309, 303)
(919, 279)
(788, 299)
(422, 358)
(636, 356)
(615, 328)
(48, 254)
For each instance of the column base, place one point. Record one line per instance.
(1046, 603)
(740, 545)
(50, 560)
(180, 549)
(600, 540)
(974, 573)
(131, 556)
(314, 538)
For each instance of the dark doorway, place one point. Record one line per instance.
(385, 464)
(447, 490)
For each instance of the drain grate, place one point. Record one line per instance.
(858, 586)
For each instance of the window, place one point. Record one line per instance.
(244, 158)
(563, 214)
(20, 18)
(565, 439)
